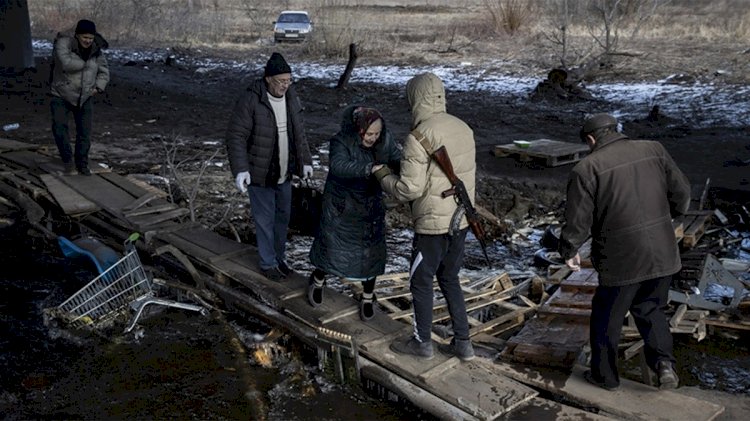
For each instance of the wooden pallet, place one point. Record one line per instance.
(693, 226)
(489, 296)
(556, 336)
(552, 152)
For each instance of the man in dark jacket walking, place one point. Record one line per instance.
(624, 196)
(266, 144)
(79, 72)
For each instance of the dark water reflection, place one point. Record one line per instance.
(187, 366)
(183, 366)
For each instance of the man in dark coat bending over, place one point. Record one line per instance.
(624, 195)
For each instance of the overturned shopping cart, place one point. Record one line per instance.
(124, 284)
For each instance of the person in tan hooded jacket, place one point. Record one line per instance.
(436, 250)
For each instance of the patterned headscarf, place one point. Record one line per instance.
(363, 117)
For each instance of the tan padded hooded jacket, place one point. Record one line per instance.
(422, 181)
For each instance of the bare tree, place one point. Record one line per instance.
(608, 19)
(175, 167)
(610, 23)
(561, 15)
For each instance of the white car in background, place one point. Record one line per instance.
(292, 25)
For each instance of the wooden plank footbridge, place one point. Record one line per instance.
(485, 388)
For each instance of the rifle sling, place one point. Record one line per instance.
(422, 139)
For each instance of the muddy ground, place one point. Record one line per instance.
(150, 106)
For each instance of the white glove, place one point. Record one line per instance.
(242, 181)
(574, 263)
(307, 171)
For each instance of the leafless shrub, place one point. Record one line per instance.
(508, 15)
(136, 20)
(335, 29)
(458, 40)
(259, 15)
(606, 24)
(188, 180)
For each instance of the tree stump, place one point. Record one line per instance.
(344, 79)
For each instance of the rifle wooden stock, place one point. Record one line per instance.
(440, 155)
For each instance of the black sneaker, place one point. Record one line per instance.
(69, 168)
(589, 376)
(412, 346)
(314, 293)
(84, 170)
(273, 274)
(367, 309)
(667, 377)
(285, 269)
(460, 348)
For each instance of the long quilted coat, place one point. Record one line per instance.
(350, 242)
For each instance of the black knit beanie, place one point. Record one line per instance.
(277, 65)
(85, 27)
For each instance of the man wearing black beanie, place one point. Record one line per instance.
(79, 72)
(266, 145)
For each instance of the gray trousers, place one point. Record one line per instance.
(441, 256)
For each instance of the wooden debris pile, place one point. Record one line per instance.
(495, 305)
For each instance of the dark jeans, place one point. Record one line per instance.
(271, 208)
(646, 301)
(442, 256)
(83, 116)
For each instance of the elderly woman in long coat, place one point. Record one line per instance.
(350, 241)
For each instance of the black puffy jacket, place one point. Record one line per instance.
(252, 138)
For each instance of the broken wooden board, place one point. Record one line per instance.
(23, 183)
(27, 159)
(548, 340)
(556, 336)
(69, 200)
(14, 145)
(632, 401)
(544, 409)
(99, 191)
(146, 222)
(552, 152)
(57, 167)
(476, 386)
(573, 298)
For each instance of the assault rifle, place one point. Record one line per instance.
(440, 155)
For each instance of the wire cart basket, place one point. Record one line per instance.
(123, 284)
